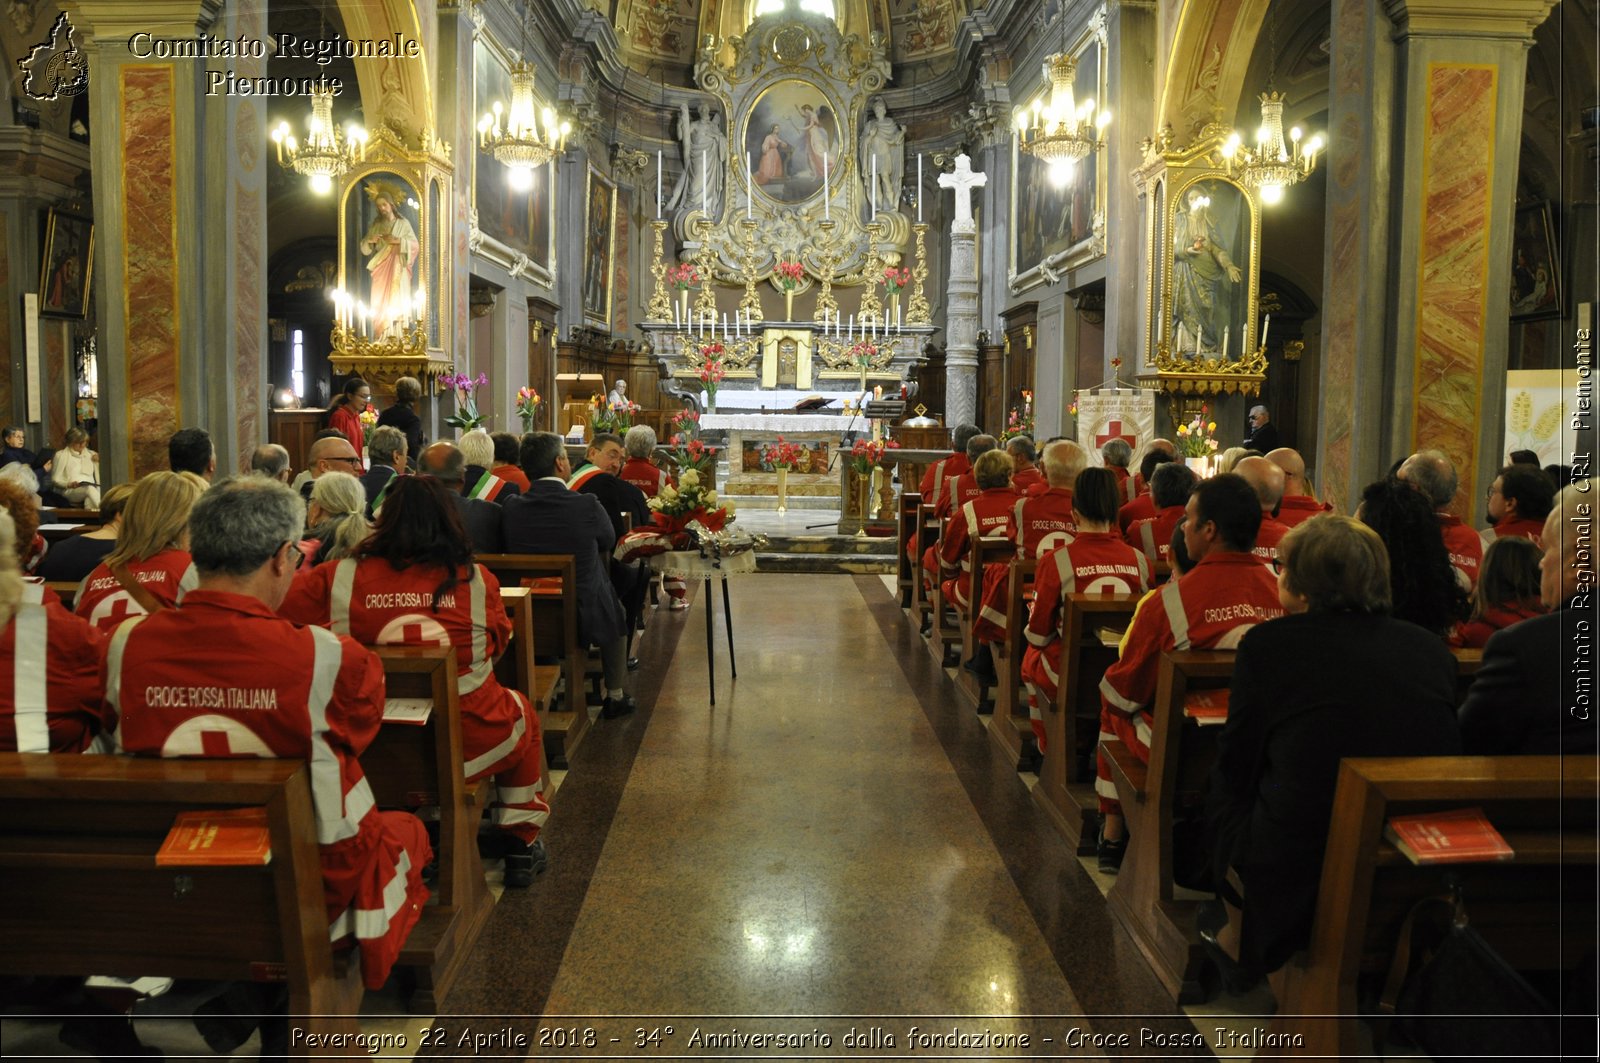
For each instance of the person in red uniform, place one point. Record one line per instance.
(1507, 592)
(1431, 473)
(1026, 478)
(344, 413)
(1141, 479)
(1115, 455)
(1169, 487)
(413, 583)
(1519, 500)
(50, 687)
(1211, 607)
(506, 449)
(992, 512)
(150, 568)
(1043, 522)
(1143, 505)
(1298, 504)
(935, 479)
(1266, 479)
(223, 675)
(1096, 560)
(639, 470)
(952, 496)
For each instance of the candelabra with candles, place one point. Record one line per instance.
(356, 327)
(918, 312)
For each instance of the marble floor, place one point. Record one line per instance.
(833, 854)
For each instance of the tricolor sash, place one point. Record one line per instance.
(583, 476)
(487, 488)
(383, 493)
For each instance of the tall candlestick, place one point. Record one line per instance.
(919, 188)
(874, 188)
(750, 188)
(827, 197)
(658, 183)
(705, 188)
(1264, 326)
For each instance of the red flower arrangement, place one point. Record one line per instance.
(686, 423)
(783, 455)
(866, 453)
(862, 353)
(895, 279)
(789, 275)
(683, 276)
(711, 371)
(690, 453)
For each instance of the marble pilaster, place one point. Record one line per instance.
(1130, 52)
(1412, 353)
(180, 211)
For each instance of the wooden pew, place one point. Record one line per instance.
(1010, 721)
(1368, 887)
(1468, 662)
(80, 892)
(1072, 724)
(987, 550)
(411, 766)
(1181, 753)
(927, 534)
(905, 567)
(555, 632)
(517, 669)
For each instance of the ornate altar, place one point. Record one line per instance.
(801, 193)
(394, 264)
(1203, 240)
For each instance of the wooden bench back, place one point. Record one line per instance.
(554, 614)
(1533, 909)
(80, 892)
(906, 534)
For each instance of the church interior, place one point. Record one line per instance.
(805, 243)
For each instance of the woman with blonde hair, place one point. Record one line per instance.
(336, 518)
(76, 470)
(1507, 592)
(1231, 457)
(1297, 707)
(150, 569)
(50, 689)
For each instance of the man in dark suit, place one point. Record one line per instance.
(386, 450)
(1525, 698)
(551, 519)
(443, 461)
(1263, 436)
(598, 477)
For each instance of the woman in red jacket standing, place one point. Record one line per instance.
(344, 413)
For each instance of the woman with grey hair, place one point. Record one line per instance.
(477, 447)
(336, 518)
(619, 395)
(639, 470)
(1296, 708)
(76, 470)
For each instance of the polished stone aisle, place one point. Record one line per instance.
(803, 847)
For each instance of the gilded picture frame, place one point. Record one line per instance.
(66, 265)
(599, 246)
(513, 222)
(1535, 264)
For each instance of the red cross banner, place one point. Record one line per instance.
(1122, 413)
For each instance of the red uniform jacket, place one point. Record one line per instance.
(513, 475)
(223, 677)
(1211, 607)
(1140, 508)
(1044, 522)
(1296, 508)
(1522, 527)
(346, 420)
(379, 605)
(1093, 562)
(1474, 634)
(1126, 489)
(1152, 536)
(990, 512)
(168, 576)
(941, 474)
(1267, 539)
(1028, 480)
(645, 476)
(958, 494)
(50, 690)
(1464, 546)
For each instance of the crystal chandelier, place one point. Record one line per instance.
(328, 152)
(1060, 133)
(519, 142)
(1273, 164)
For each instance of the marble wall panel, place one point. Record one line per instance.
(249, 286)
(621, 288)
(1453, 263)
(57, 354)
(149, 197)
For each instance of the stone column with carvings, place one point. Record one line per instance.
(181, 307)
(1419, 220)
(961, 299)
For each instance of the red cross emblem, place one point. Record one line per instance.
(1114, 430)
(115, 608)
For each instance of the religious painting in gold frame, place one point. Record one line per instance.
(599, 249)
(1212, 234)
(520, 220)
(65, 267)
(791, 134)
(383, 264)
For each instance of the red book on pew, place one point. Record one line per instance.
(230, 837)
(1460, 836)
(1207, 707)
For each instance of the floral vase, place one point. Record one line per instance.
(711, 402)
(1201, 466)
(683, 306)
(864, 490)
(892, 315)
(788, 305)
(783, 489)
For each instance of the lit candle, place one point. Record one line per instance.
(658, 183)
(705, 187)
(1264, 326)
(827, 197)
(919, 191)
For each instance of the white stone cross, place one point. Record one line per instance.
(963, 181)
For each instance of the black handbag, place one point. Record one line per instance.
(1463, 1001)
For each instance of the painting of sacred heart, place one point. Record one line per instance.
(792, 142)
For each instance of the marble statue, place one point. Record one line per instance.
(705, 148)
(883, 144)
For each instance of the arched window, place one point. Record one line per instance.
(768, 7)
